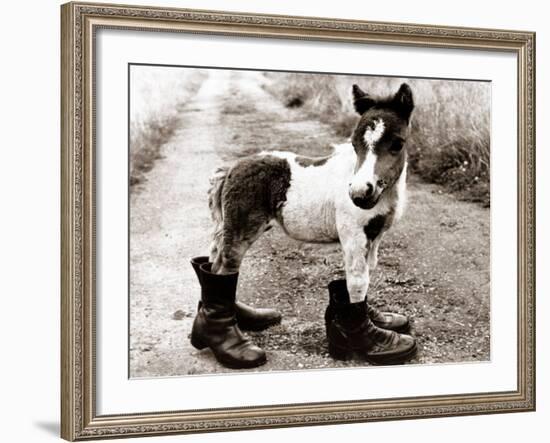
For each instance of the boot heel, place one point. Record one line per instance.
(198, 343)
(339, 353)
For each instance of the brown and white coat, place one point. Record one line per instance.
(352, 196)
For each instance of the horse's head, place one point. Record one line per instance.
(379, 141)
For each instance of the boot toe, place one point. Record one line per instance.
(253, 356)
(400, 322)
(402, 349)
(242, 357)
(406, 342)
(271, 317)
(393, 322)
(274, 315)
(256, 319)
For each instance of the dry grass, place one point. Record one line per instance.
(450, 139)
(156, 96)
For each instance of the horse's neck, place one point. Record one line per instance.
(394, 199)
(324, 185)
(401, 193)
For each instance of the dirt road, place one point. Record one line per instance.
(434, 265)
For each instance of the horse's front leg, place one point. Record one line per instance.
(372, 257)
(355, 248)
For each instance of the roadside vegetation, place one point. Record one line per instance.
(450, 139)
(156, 97)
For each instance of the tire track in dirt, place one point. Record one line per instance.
(434, 264)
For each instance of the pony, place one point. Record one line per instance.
(352, 196)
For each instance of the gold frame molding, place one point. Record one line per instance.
(79, 21)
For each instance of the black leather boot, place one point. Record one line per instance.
(248, 318)
(385, 320)
(351, 331)
(215, 325)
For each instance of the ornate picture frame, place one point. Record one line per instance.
(80, 22)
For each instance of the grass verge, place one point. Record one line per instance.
(157, 94)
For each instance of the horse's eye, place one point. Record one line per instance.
(396, 146)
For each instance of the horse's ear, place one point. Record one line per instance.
(361, 100)
(403, 101)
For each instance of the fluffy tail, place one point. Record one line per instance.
(216, 210)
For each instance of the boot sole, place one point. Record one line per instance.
(240, 365)
(198, 344)
(347, 354)
(394, 359)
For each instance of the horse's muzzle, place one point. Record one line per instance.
(365, 199)
(365, 203)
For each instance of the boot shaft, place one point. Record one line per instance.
(337, 295)
(340, 308)
(338, 292)
(196, 263)
(217, 304)
(352, 316)
(217, 288)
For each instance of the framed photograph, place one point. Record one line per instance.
(277, 221)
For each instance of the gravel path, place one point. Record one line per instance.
(434, 265)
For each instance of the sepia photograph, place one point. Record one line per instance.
(273, 220)
(283, 221)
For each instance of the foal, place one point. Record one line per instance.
(352, 196)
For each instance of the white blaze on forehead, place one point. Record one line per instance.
(373, 135)
(366, 173)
